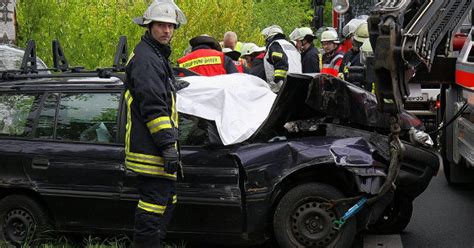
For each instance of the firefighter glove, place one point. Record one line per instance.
(171, 161)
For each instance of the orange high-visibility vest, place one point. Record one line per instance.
(206, 62)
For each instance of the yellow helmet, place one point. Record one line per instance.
(362, 33)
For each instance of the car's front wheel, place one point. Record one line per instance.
(22, 220)
(303, 218)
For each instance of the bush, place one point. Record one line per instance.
(89, 29)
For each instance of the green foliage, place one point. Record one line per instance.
(89, 29)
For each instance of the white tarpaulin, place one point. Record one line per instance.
(238, 103)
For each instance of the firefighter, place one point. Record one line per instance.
(352, 57)
(281, 57)
(303, 38)
(152, 122)
(207, 58)
(257, 68)
(240, 64)
(332, 57)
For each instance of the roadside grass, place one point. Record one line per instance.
(89, 242)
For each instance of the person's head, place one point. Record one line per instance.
(329, 40)
(161, 18)
(205, 40)
(230, 40)
(303, 38)
(269, 32)
(361, 35)
(350, 28)
(250, 51)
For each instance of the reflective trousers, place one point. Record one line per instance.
(154, 210)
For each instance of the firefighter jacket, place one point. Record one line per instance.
(257, 68)
(331, 62)
(282, 58)
(310, 60)
(351, 58)
(152, 119)
(207, 62)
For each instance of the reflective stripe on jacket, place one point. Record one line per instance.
(332, 63)
(152, 119)
(206, 62)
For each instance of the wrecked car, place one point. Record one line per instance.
(62, 166)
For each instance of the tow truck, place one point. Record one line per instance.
(427, 43)
(414, 42)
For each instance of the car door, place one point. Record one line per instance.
(17, 115)
(209, 196)
(74, 158)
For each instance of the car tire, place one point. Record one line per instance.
(302, 219)
(395, 218)
(23, 220)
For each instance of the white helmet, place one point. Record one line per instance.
(245, 49)
(330, 35)
(272, 31)
(256, 49)
(249, 48)
(300, 33)
(162, 11)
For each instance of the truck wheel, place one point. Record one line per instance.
(302, 218)
(23, 220)
(395, 218)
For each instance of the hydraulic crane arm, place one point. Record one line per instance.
(406, 36)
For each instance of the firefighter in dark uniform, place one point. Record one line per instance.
(207, 58)
(303, 38)
(152, 123)
(352, 57)
(281, 57)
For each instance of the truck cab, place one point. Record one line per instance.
(458, 102)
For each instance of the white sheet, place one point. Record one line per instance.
(238, 103)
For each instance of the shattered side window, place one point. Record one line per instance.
(17, 113)
(88, 117)
(190, 132)
(197, 131)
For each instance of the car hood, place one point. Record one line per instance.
(320, 96)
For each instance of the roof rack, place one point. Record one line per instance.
(29, 68)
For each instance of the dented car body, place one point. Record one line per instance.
(245, 193)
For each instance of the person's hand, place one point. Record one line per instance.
(180, 84)
(170, 157)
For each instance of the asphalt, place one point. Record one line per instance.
(443, 217)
